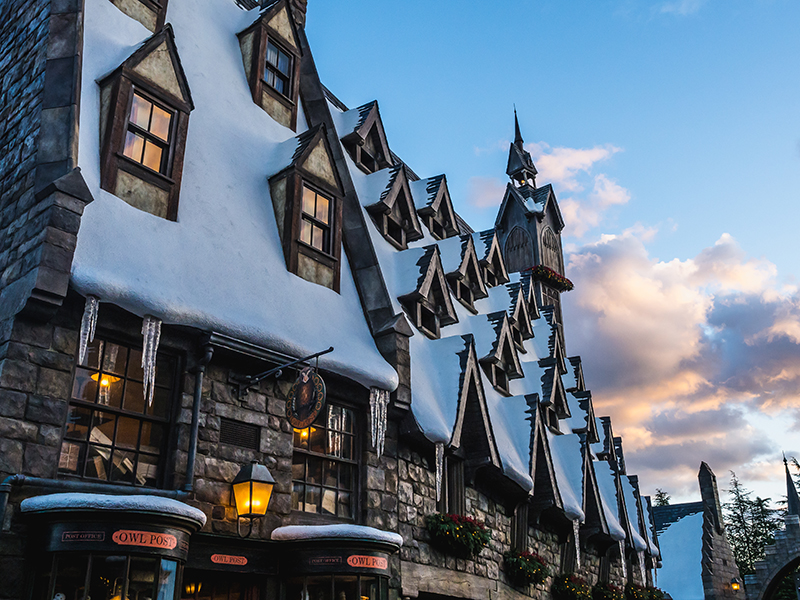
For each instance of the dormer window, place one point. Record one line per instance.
(552, 419)
(434, 206)
(499, 378)
(516, 335)
(489, 278)
(366, 142)
(271, 56)
(143, 126)
(278, 71)
(429, 306)
(393, 213)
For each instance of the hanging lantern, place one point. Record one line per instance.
(252, 489)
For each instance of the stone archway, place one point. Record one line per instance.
(780, 558)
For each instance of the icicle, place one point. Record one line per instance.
(439, 469)
(622, 559)
(576, 530)
(151, 331)
(378, 402)
(88, 324)
(642, 567)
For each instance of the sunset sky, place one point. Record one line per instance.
(671, 133)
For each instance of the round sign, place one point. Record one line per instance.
(306, 399)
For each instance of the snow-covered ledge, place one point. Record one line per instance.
(356, 533)
(147, 505)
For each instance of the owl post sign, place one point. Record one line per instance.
(306, 398)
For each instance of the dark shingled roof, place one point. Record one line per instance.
(664, 516)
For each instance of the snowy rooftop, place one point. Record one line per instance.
(103, 502)
(220, 267)
(681, 551)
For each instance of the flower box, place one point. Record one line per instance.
(551, 278)
(525, 568)
(570, 587)
(607, 591)
(458, 535)
(637, 592)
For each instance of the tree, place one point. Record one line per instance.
(662, 497)
(750, 524)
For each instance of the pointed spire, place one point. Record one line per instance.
(520, 167)
(518, 141)
(792, 499)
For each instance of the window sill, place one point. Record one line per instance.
(276, 94)
(146, 173)
(316, 252)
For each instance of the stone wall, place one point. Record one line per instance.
(24, 27)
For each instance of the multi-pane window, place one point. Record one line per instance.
(148, 138)
(112, 433)
(277, 72)
(324, 466)
(315, 224)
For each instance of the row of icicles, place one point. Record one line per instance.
(151, 332)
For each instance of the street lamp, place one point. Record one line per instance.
(736, 584)
(252, 489)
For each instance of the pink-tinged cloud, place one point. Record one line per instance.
(485, 192)
(694, 359)
(582, 215)
(563, 166)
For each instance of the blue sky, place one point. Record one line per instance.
(671, 132)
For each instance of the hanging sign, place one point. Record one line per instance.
(306, 399)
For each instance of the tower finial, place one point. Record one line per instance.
(518, 141)
(792, 499)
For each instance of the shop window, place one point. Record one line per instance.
(336, 587)
(112, 434)
(145, 105)
(324, 464)
(75, 576)
(201, 585)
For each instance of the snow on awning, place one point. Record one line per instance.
(336, 532)
(608, 495)
(568, 467)
(154, 505)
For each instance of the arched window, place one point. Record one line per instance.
(551, 251)
(518, 250)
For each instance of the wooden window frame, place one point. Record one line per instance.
(258, 83)
(453, 499)
(355, 462)
(519, 527)
(326, 228)
(293, 247)
(96, 406)
(124, 83)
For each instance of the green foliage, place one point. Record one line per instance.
(570, 587)
(662, 498)
(750, 525)
(785, 589)
(457, 535)
(526, 567)
(607, 591)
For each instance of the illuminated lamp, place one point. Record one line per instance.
(736, 584)
(193, 588)
(252, 489)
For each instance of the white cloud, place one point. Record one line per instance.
(583, 215)
(485, 192)
(562, 166)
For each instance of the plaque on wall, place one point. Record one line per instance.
(306, 398)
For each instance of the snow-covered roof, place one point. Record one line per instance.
(511, 424)
(220, 267)
(336, 532)
(639, 542)
(608, 494)
(568, 466)
(153, 505)
(681, 544)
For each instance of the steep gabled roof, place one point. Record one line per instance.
(473, 414)
(545, 485)
(512, 426)
(159, 68)
(432, 197)
(583, 418)
(518, 311)
(459, 259)
(568, 467)
(396, 190)
(503, 347)
(596, 524)
(430, 281)
(487, 245)
(526, 281)
(361, 123)
(553, 393)
(577, 375)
